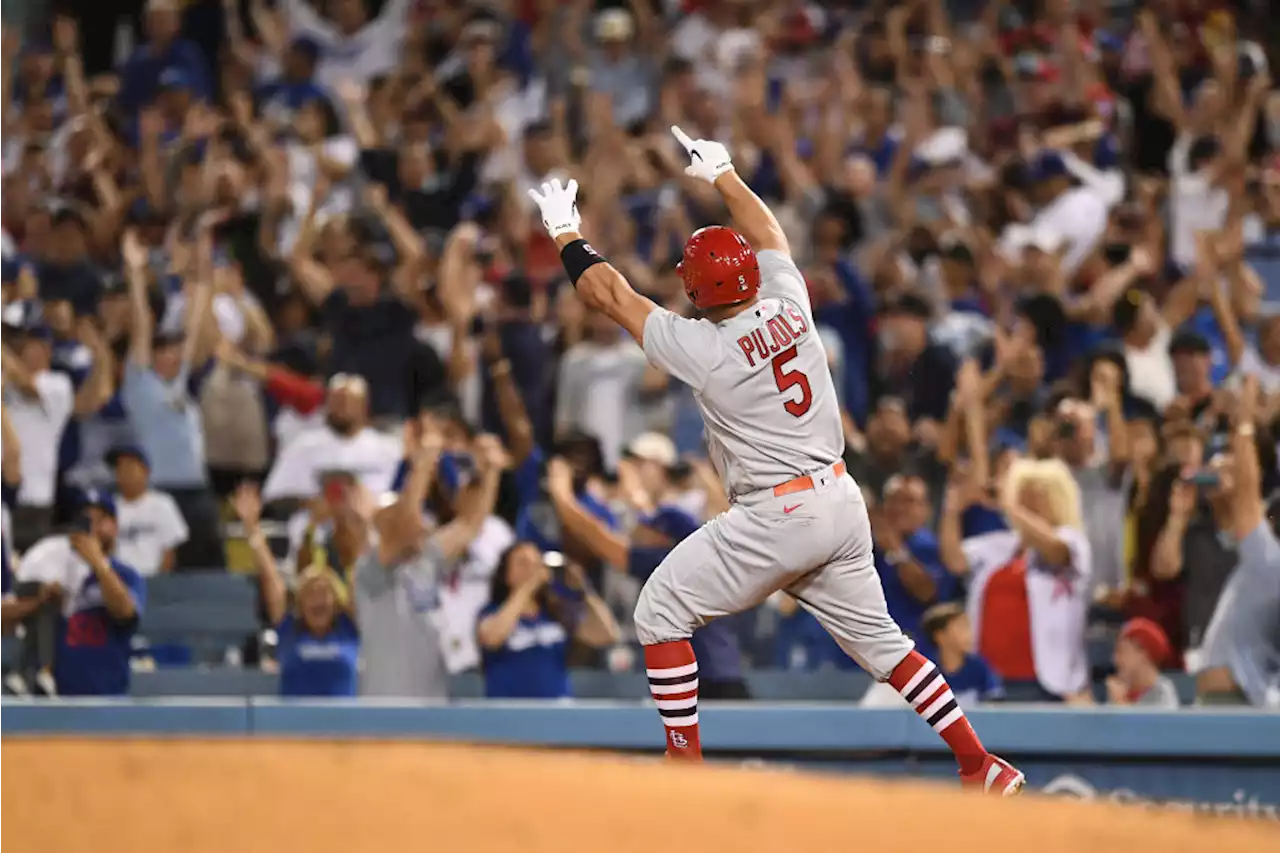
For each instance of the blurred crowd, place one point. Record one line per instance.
(275, 299)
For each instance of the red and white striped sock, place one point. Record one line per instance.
(924, 688)
(673, 682)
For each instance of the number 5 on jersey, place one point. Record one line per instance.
(788, 379)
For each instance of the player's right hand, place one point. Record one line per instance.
(710, 158)
(559, 206)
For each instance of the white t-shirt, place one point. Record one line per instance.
(226, 312)
(1253, 364)
(1194, 204)
(372, 51)
(1078, 218)
(371, 455)
(53, 560)
(290, 423)
(598, 393)
(465, 592)
(1151, 370)
(303, 169)
(149, 526)
(440, 338)
(39, 424)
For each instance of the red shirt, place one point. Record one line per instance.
(1005, 634)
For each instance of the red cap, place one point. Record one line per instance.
(1148, 636)
(719, 268)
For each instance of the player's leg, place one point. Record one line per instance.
(693, 585)
(846, 597)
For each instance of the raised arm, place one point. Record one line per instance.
(247, 503)
(1249, 509)
(710, 161)
(600, 286)
(581, 525)
(950, 529)
(143, 324)
(98, 388)
(408, 244)
(511, 410)
(312, 276)
(476, 503)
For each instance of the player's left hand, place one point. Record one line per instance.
(710, 158)
(559, 206)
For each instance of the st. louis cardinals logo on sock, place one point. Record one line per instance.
(678, 740)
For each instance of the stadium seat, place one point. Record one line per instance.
(466, 685)
(214, 585)
(1100, 645)
(204, 681)
(827, 685)
(1186, 685)
(206, 611)
(9, 652)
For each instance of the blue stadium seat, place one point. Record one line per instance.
(204, 681)
(204, 586)
(1100, 644)
(1023, 691)
(598, 684)
(827, 685)
(206, 611)
(9, 652)
(466, 685)
(1186, 684)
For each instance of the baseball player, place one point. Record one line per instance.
(797, 520)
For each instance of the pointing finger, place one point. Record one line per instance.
(571, 189)
(682, 137)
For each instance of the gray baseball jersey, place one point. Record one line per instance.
(765, 391)
(761, 380)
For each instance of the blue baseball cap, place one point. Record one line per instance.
(175, 77)
(306, 46)
(131, 451)
(1048, 165)
(100, 498)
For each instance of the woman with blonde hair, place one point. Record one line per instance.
(1029, 585)
(319, 645)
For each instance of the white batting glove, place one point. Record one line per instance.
(559, 206)
(710, 158)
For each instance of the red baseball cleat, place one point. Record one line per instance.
(997, 776)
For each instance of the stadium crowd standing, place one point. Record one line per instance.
(273, 263)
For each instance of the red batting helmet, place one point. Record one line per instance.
(719, 268)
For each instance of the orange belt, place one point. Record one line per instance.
(803, 484)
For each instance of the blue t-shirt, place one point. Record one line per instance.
(318, 666)
(532, 664)
(802, 644)
(979, 519)
(93, 646)
(280, 99)
(1205, 323)
(905, 609)
(975, 681)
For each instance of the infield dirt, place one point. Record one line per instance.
(186, 796)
